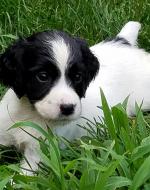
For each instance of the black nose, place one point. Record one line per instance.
(67, 109)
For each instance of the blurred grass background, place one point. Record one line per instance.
(93, 20)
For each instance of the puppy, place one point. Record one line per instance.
(48, 74)
(51, 74)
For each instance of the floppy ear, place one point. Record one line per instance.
(90, 60)
(11, 68)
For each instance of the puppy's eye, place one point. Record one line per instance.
(78, 77)
(42, 76)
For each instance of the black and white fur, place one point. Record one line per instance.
(50, 75)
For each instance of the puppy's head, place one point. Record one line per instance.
(52, 69)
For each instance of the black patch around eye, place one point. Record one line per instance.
(40, 81)
(74, 73)
(75, 76)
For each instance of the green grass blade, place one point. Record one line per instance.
(107, 117)
(102, 178)
(118, 182)
(140, 121)
(141, 175)
(5, 181)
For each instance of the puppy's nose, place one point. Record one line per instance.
(67, 109)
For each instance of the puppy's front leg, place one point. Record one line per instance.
(6, 138)
(30, 163)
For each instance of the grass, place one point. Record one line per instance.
(117, 155)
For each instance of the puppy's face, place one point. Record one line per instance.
(52, 69)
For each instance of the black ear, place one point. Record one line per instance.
(11, 68)
(90, 60)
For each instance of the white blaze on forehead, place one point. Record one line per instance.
(61, 52)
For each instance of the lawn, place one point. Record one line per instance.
(117, 155)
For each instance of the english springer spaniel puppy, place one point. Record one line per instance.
(48, 74)
(54, 79)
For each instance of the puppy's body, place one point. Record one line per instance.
(125, 70)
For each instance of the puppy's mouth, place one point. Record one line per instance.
(62, 118)
(65, 118)
(61, 121)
